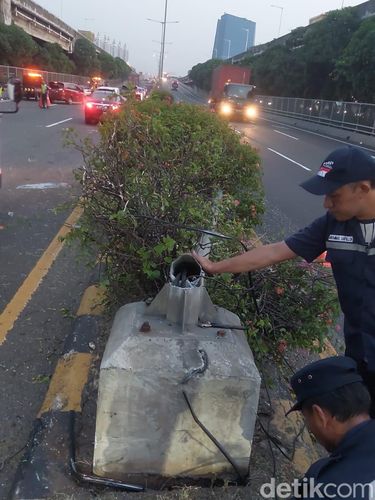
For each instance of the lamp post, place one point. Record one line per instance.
(229, 46)
(281, 16)
(247, 38)
(163, 33)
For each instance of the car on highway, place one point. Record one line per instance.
(66, 92)
(102, 102)
(105, 88)
(174, 85)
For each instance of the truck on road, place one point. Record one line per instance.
(231, 94)
(31, 82)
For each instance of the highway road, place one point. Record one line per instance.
(37, 179)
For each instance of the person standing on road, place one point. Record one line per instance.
(43, 95)
(335, 406)
(347, 233)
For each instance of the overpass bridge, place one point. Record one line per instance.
(38, 22)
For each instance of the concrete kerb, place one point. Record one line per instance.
(44, 468)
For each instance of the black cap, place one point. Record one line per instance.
(343, 166)
(323, 376)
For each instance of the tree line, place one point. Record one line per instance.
(17, 48)
(332, 59)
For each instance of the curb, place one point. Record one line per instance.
(44, 468)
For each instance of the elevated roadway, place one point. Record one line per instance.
(38, 22)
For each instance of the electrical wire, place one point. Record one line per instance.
(214, 440)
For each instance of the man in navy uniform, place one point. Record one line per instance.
(335, 405)
(347, 180)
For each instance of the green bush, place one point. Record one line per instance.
(157, 165)
(290, 305)
(160, 169)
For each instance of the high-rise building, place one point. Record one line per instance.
(234, 35)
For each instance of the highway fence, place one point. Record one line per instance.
(354, 116)
(7, 72)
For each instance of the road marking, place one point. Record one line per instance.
(289, 159)
(67, 383)
(44, 185)
(320, 135)
(58, 123)
(23, 295)
(283, 133)
(92, 302)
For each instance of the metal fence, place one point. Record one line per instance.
(7, 72)
(354, 116)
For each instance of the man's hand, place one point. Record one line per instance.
(257, 258)
(205, 263)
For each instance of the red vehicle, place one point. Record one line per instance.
(231, 95)
(101, 102)
(66, 92)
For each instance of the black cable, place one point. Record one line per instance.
(88, 478)
(214, 440)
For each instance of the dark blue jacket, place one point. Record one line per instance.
(352, 462)
(353, 266)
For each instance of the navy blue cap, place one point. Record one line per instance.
(343, 166)
(323, 376)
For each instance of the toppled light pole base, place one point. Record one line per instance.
(154, 353)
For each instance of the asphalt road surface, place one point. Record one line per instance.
(35, 312)
(37, 179)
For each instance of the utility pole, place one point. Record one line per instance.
(281, 16)
(163, 36)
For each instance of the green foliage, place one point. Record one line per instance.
(157, 171)
(356, 66)
(324, 43)
(51, 57)
(85, 58)
(201, 74)
(296, 305)
(123, 70)
(277, 72)
(16, 46)
(162, 95)
(155, 167)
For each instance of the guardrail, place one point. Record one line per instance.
(354, 116)
(7, 72)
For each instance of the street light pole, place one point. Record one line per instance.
(229, 46)
(281, 16)
(163, 40)
(247, 38)
(163, 35)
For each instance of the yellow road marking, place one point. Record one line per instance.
(92, 301)
(66, 386)
(18, 303)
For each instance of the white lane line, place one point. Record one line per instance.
(44, 185)
(58, 123)
(283, 133)
(320, 135)
(289, 159)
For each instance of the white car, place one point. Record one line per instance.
(115, 90)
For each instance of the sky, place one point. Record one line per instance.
(190, 41)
